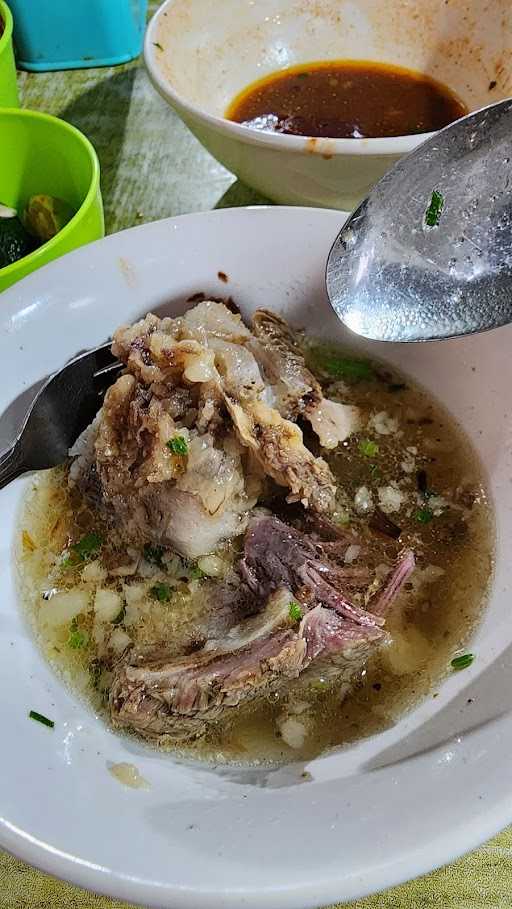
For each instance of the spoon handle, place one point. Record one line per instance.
(11, 464)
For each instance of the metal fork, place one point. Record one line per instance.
(68, 401)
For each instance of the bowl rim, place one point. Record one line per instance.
(390, 146)
(8, 22)
(33, 257)
(20, 842)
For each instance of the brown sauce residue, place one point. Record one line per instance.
(346, 99)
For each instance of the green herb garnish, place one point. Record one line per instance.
(424, 515)
(40, 718)
(295, 612)
(87, 547)
(368, 448)
(158, 45)
(178, 445)
(196, 573)
(463, 661)
(77, 638)
(433, 212)
(154, 554)
(161, 592)
(375, 471)
(346, 368)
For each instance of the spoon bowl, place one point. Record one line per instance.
(428, 254)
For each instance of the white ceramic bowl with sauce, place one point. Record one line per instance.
(387, 808)
(201, 53)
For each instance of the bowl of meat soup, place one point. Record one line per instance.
(394, 67)
(294, 608)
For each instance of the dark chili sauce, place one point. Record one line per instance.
(346, 99)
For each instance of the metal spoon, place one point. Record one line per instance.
(391, 277)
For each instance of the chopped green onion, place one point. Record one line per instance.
(463, 661)
(83, 550)
(120, 616)
(77, 638)
(158, 45)
(40, 718)
(178, 445)
(374, 470)
(154, 554)
(295, 612)
(345, 368)
(433, 212)
(196, 573)
(368, 448)
(161, 592)
(88, 545)
(328, 360)
(424, 515)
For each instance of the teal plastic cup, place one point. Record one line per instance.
(74, 34)
(8, 86)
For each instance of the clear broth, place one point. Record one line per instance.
(430, 623)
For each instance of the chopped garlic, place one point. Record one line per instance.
(363, 500)
(333, 422)
(63, 607)
(107, 605)
(134, 594)
(119, 640)
(383, 424)
(293, 732)
(213, 566)
(437, 505)
(94, 573)
(390, 499)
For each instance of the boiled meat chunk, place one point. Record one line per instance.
(295, 389)
(258, 658)
(204, 378)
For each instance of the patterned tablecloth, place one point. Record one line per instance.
(152, 167)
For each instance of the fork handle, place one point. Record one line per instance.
(11, 464)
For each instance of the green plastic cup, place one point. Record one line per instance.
(8, 86)
(42, 154)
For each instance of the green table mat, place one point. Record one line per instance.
(482, 880)
(152, 167)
